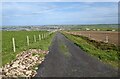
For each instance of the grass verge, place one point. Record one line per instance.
(42, 44)
(106, 54)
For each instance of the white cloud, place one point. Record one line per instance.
(69, 13)
(26, 9)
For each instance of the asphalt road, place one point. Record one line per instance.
(65, 59)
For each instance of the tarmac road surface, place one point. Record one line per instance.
(65, 59)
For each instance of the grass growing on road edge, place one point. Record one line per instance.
(107, 56)
(64, 49)
(42, 44)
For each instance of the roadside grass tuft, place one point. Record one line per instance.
(64, 49)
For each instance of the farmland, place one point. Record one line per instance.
(21, 42)
(100, 35)
(93, 27)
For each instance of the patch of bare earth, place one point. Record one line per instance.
(25, 64)
(100, 35)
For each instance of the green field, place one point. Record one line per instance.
(107, 55)
(21, 43)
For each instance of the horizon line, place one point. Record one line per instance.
(61, 24)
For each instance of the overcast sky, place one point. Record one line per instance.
(45, 13)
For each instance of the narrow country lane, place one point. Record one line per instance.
(65, 59)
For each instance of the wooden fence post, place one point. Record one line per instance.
(28, 40)
(106, 39)
(13, 40)
(34, 38)
(39, 37)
